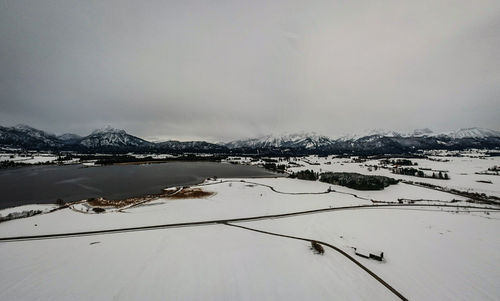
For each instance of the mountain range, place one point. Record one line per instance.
(373, 142)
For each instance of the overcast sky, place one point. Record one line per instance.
(219, 70)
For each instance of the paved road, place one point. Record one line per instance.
(231, 220)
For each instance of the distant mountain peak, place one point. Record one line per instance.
(110, 137)
(32, 131)
(386, 133)
(26, 136)
(108, 129)
(305, 140)
(27, 128)
(473, 132)
(422, 132)
(368, 133)
(22, 126)
(69, 136)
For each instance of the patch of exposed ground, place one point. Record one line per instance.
(102, 202)
(190, 193)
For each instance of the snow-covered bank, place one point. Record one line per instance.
(25, 211)
(230, 200)
(36, 158)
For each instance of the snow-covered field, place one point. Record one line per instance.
(206, 263)
(36, 158)
(461, 170)
(430, 253)
(231, 200)
(34, 207)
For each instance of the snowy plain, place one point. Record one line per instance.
(430, 253)
(37, 158)
(206, 263)
(461, 170)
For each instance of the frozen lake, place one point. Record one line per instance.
(45, 184)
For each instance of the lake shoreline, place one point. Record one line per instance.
(47, 184)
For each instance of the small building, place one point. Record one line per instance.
(370, 254)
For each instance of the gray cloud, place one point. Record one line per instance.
(219, 70)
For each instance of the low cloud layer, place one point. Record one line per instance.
(219, 70)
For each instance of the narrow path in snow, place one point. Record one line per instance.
(387, 285)
(482, 201)
(230, 220)
(284, 192)
(311, 193)
(264, 185)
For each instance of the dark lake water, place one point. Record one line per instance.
(45, 184)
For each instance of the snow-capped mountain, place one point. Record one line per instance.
(301, 140)
(25, 136)
(422, 132)
(475, 133)
(370, 142)
(69, 138)
(190, 146)
(385, 133)
(100, 140)
(374, 141)
(113, 138)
